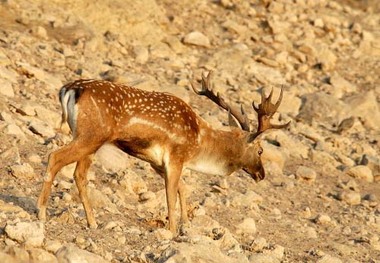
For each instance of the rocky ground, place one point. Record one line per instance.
(320, 200)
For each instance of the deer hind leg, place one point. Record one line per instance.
(80, 176)
(172, 175)
(73, 152)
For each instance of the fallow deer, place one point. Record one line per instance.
(158, 128)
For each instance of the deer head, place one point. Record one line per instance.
(238, 118)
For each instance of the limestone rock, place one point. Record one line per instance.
(365, 106)
(29, 233)
(38, 255)
(350, 197)
(24, 170)
(42, 129)
(329, 259)
(361, 172)
(323, 108)
(197, 38)
(306, 174)
(71, 254)
(248, 226)
(6, 88)
(196, 253)
(112, 159)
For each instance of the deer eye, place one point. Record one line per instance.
(260, 151)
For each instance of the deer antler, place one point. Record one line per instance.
(206, 90)
(265, 111)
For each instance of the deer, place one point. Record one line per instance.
(158, 128)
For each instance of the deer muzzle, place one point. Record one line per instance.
(257, 175)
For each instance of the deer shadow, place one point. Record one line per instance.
(28, 204)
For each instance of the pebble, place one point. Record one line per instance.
(350, 197)
(196, 38)
(361, 172)
(306, 174)
(258, 244)
(248, 226)
(329, 259)
(323, 219)
(163, 234)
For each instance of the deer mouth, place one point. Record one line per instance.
(256, 175)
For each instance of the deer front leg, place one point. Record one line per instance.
(182, 200)
(173, 173)
(80, 176)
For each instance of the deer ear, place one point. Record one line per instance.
(232, 121)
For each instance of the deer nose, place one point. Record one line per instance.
(259, 175)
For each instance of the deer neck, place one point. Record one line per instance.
(219, 152)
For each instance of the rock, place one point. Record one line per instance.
(261, 258)
(373, 162)
(264, 74)
(306, 174)
(141, 54)
(7, 258)
(4, 116)
(70, 253)
(330, 109)
(52, 118)
(196, 38)
(17, 253)
(278, 252)
(14, 129)
(311, 233)
(12, 154)
(133, 183)
(350, 197)
(146, 196)
(6, 88)
(24, 170)
(25, 109)
(68, 171)
(52, 245)
(196, 253)
(248, 226)
(323, 219)
(163, 234)
(361, 172)
(51, 81)
(250, 199)
(365, 106)
(28, 233)
(42, 129)
(38, 255)
(7, 74)
(258, 244)
(10, 208)
(203, 225)
(344, 86)
(99, 200)
(112, 159)
(329, 259)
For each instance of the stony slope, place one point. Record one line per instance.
(319, 202)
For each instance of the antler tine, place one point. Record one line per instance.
(279, 99)
(265, 111)
(207, 91)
